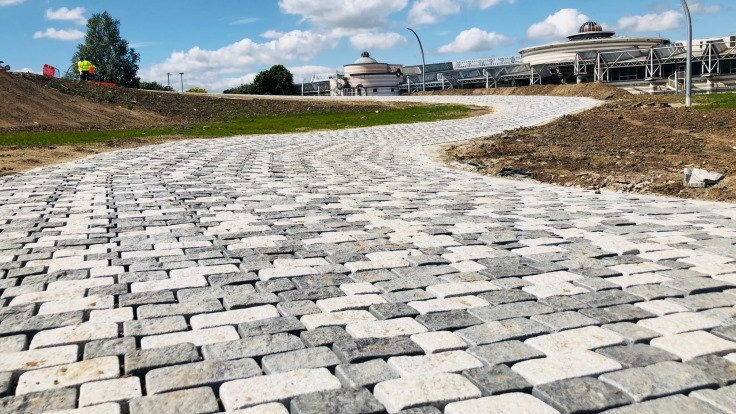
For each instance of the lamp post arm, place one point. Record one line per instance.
(689, 64)
(421, 48)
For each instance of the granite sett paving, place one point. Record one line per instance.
(348, 271)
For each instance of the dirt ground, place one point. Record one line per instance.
(635, 144)
(599, 91)
(34, 103)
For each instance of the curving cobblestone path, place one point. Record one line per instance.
(344, 272)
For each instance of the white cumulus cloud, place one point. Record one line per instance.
(475, 40)
(212, 69)
(563, 23)
(700, 8)
(75, 15)
(376, 41)
(4, 3)
(653, 22)
(52, 33)
(485, 4)
(348, 14)
(431, 11)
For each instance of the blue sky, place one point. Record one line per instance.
(221, 43)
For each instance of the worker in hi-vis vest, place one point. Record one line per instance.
(92, 72)
(83, 66)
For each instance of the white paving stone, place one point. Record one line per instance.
(447, 290)
(443, 362)
(359, 288)
(563, 366)
(83, 332)
(197, 337)
(343, 318)
(233, 317)
(352, 302)
(38, 358)
(511, 403)
(68, 375)
(111, 315)
(441, 305)
(661, 307)
(694, 344)
(88, 303)
(385, 329)
(433, 389)
(556, 289)
(281, 272)
(589, 337)
(276, 387)
(638, 279)
(119, 389)
(441, 341)
(679, 323)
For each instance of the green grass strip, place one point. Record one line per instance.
(248, 126)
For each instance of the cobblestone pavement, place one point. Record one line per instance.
(344, 272)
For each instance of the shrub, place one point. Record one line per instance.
(197, 90)
(154, 86)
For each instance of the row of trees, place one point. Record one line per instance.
(116, 62)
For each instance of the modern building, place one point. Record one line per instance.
(367, 77)
(593, 54)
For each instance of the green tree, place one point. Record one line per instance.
(242, 89)
(154, 86)
(109, 52)
(275, 81)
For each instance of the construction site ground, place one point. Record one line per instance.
(629, 143)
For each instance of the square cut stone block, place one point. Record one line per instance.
(385, 329)
(433, 342)
(694, 344)
(679, 323)
(514, 402)
(659, 380)
(119, 389)
(276, 387)
(68, 375)
(557, 367)
(443, 362)
(436, 389)
(590, 337)
(233, 317)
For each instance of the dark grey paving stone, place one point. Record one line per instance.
(497, 379)
(252, 347)
(274, 285)
(306, 358)
(155, 326)
(109, 347)
(405, 296)
(507, 352)
(270, 326)
(359, 350)
(313, 293)
(185, 309)
(392, 310)
(726, 332)
(359, 401)
(450, 320)
(617, 313)
(500, 297)
(326, 335)
(595, 284)
(497, 331)
(653, 292)
(563, 303)
(510, 311)
(194, 401)
(581, 395)
(40, 402)
(637, 355)
(659, 380)
(561, 321)
(365, 373)
(205, 373)
(298, 308)
(675, 404)
(141, 361)
(605, 298)
(718, 368)
(632, 332)
(24, 324)
(421, 410)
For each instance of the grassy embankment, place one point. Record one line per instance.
(286, 123)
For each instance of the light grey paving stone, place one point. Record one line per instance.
(561, 321)
(723, 399)
(618, 313)
(436, 389)
(139, 362)
(39, 402)
(25, 324)
(706, 301)
(109, 347)
(337, 401)
(205, 373)
(287, 324)
(497, 331)
(581, 395)
(392, 310)
(637, 355)
(297, 308)
(497, 379)
(443, 321)
(326, 335)
(632, 332)
(563, 303)
(718, 368)
(499, 404)
(119, 389)
(364, 374)
(252, 347)
(672, 404)
(507, 352)
(195, 401)
(276, 387)
(13, 343)
(5, 379)
(510, 311)
(659, 380)
(319, 357)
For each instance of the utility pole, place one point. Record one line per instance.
(168, 79)
(181, 75)
(689, 64)
(421, 48)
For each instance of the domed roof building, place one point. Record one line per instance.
(367, 77)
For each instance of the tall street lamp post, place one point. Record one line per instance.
(421, 48)
(181, 75)
(689, 64)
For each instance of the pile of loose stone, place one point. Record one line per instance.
(343, 272)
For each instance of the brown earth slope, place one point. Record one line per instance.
(591, 90)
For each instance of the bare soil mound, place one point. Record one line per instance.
(589, 90)
(28, 105)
